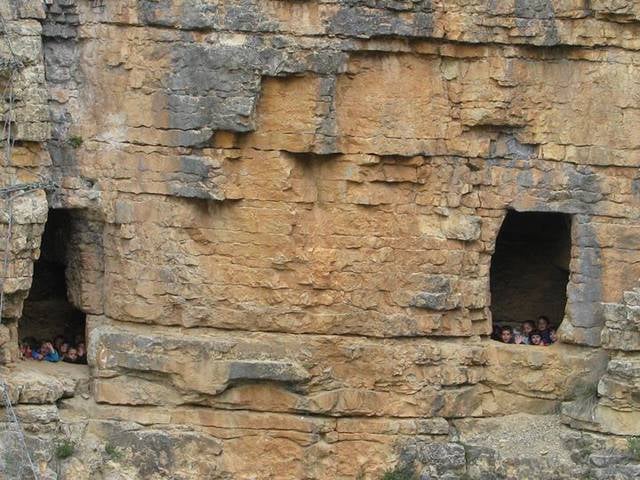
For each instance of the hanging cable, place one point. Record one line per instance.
(22, 452)
(8, 140)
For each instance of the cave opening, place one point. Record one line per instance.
(47, 313)
(530, 268)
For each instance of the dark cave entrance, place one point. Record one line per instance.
(530, 268)
(47, 312)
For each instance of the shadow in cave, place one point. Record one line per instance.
(530, 268)
(47, 311)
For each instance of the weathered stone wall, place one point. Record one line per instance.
(24, 156)
(285, 214)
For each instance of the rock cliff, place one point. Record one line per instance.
(282, 217)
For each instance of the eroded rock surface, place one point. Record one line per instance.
(282, 222)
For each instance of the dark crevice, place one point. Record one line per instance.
(530, 267)
(47, 311)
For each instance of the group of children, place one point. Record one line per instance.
(60, 349)
(540, 333)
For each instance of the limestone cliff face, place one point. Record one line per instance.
(283, 220)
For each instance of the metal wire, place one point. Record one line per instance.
(9, 143)
(18, 457)
(5, 31)
(17, 190)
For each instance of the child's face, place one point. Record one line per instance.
(527, 328)
(505, 335)
(542, 324)
(536, 339)
(64, 348)
(72, 354)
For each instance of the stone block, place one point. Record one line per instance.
(267, 370)
(444, 456)
(185, 453)
(462, 227)
(37, 414)
(29, 209)
(622, 324)
(39, 389)
(133, 391)
(438, 294)
(553, 372)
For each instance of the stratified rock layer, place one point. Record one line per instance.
(283, 215)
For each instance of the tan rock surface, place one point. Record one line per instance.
(282, 221)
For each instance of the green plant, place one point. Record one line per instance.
(64, 449)
(633, 444)
(114, 452)
(400, 473)
(75, 141)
